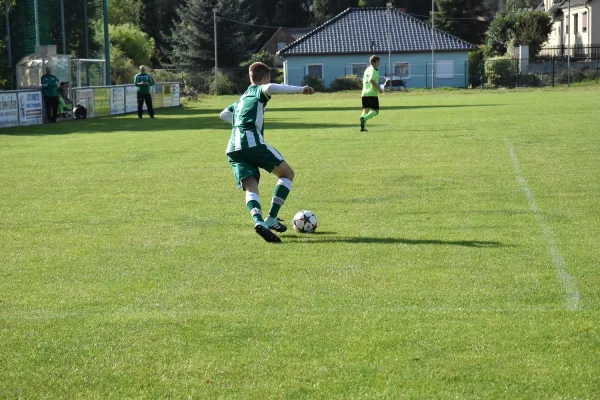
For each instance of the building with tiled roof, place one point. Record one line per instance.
(578, 27)
(281, 38)
(406, 46)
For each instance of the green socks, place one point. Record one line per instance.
(370, 115)
(282, 190)
(253, 204)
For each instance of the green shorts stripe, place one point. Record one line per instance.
(247, 162)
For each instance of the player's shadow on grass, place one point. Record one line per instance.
(383, 108)
(330, 237)
(168, 123)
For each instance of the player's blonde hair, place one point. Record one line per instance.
(258, 71)
(374, 59)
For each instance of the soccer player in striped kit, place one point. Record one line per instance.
(247, 150)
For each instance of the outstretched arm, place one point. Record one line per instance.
(227, 114)
(275, 88)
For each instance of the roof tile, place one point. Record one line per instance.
(355, 31)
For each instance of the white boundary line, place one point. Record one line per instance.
(569, 284)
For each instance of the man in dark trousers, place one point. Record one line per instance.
(144, 81)
(49, 90)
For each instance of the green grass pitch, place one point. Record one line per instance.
(457, 253)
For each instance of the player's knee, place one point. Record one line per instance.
(289, 174)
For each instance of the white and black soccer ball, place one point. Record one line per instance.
(305, 221)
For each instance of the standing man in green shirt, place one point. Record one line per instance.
(50, 93)
(144, 81)
(371, 90)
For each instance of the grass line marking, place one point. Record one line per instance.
(569, 284)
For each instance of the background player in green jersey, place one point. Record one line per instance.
(247, 150)
(371, 89)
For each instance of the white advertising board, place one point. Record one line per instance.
(175, 94)
(85, 97)
(30, 108)
(131, 99)
(117, 100)
(9, 113)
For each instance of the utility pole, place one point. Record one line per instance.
(432, 43)
(216, 64)
(569, 45)
(85, 28)
(389, 11)
(8, 33)
(106, 44)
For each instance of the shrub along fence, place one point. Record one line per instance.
(538, 72)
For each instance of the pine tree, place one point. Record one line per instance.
(158, 19)
(193, 38)
(462, 18)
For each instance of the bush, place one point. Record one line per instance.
(348, 82)
(581, 75)
(226, 85)
(530, 80)
(501, 72)
(134, 43)
(161, 75)
(315, 82)
(475, 67)
(277, 76)
(122, 69)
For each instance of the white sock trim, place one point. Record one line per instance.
(285, 182)
(252, 196)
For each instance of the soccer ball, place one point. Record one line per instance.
(305, 221)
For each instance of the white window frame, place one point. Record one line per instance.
(438, 75)
(315, 65)
(393, 73)
(366, 65)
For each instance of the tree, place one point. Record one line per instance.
(193, 38)
(513, 5)
(124, 12)
(292, 13)
(324, 10)
(461, 18)
(523, 26)
(133, 43)
(158, 19)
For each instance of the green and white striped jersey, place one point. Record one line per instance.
(248, 119)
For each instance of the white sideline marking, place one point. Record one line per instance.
(569, 284)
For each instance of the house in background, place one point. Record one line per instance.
(584, 15)
(342, 46)
(281, 38)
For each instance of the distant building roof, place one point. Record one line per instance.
(364, 30)
(562, 4)
(297, 33)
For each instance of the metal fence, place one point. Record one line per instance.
(536, 72)
(577, 51)
(495, 73)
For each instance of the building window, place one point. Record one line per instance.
(575, 23)
(281, 45)
(359, 69)
(315, 70)
(584, 22)
(402, 70)
(444, 69)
